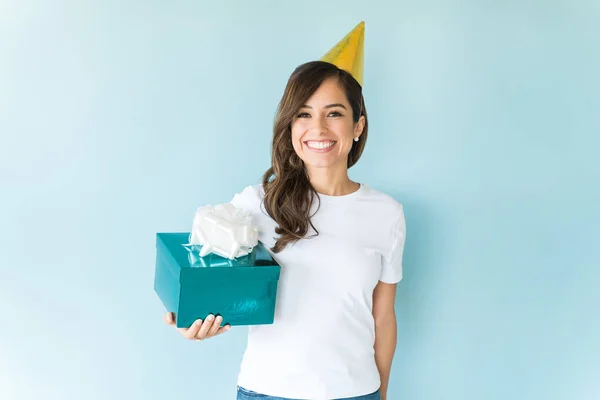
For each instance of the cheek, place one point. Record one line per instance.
(295, 133)
(343, 128)
(296, 137)
(345, 131)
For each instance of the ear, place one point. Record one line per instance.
(359, 126)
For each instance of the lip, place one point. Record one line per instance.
(328, 149)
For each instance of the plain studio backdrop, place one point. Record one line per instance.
(119, 118)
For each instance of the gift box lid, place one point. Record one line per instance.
(258, 264)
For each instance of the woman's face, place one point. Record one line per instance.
(323, 130)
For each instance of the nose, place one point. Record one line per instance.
(320, 126)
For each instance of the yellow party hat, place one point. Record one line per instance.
(348, 53)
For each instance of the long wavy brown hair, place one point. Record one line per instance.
(288, 192)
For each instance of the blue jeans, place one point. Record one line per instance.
(245, 394)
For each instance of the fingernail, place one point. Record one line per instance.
(210, 317)
(198, 322)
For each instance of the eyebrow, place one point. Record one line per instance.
(327, 106)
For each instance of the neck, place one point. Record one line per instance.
(331, 181)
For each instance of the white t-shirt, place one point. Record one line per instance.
(320, 345)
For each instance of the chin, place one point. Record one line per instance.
(320, 163)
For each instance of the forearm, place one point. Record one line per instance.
(385, 346)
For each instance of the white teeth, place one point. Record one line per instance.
(320, 145)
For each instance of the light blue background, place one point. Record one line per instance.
(119, 118)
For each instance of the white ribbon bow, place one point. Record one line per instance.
(224, 230)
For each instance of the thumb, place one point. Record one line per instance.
(169, 318)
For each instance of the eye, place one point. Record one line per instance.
(303, 115)
(335, 114)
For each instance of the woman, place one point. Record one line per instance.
(339, 243)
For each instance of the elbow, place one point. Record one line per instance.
(385, 320)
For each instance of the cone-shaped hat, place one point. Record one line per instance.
(348, 53)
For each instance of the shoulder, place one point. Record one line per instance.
(383, 204)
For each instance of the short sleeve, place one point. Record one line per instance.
(391, 269)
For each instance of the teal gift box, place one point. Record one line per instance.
(243, 291)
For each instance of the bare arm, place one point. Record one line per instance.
(384, 315)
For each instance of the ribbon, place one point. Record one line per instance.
(224, 230)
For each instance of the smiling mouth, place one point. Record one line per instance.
(320, 145)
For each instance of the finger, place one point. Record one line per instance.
(215, 326)
(191, 332)
(223, 329)
(205, 327)
(168, 318)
